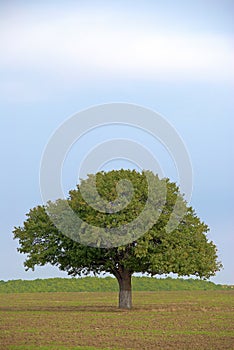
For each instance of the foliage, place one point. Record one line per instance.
(185, 250)
(107, 284)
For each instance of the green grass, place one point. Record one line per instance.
(91, 320)
(108, 284)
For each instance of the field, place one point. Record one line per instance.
(86, 320)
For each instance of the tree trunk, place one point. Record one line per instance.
(124, 278)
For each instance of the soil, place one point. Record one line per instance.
(158, 320)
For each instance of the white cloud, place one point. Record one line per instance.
(86, 45)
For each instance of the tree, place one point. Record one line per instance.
(163, 248)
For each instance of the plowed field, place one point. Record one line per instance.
(158, 320)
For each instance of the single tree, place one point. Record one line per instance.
(144, 227)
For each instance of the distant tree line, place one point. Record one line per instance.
(107, 284)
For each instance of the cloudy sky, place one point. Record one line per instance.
(58, 58)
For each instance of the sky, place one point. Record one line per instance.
(59, 58)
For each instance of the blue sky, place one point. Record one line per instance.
(57, 58)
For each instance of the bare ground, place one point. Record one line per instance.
(159, 320)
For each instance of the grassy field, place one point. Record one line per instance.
(159, 320)
(107, 284)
